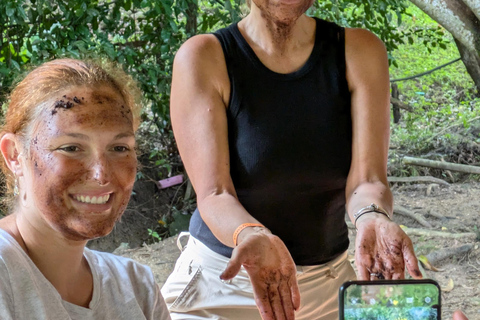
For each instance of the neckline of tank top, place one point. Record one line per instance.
(307, 66)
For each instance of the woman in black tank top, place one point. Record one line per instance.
(282, 122)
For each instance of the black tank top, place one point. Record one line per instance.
(290, 139)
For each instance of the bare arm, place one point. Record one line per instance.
(381, 246)
(367, 74)
(200, 94)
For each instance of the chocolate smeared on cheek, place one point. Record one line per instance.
(59, 175)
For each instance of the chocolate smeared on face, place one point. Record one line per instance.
(65, 103)
(72, 151)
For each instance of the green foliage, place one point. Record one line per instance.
(445, 99)
(154, 235)
(142, 35)
(382, 18)
(180, 222)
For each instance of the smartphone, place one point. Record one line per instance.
(390, 300)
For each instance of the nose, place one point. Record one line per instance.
(100, 170)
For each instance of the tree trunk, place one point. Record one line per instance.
(472, 62)
(462, 19)
(191, 26)
(396, 110)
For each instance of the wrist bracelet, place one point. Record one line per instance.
(241, 227)
(371, 208)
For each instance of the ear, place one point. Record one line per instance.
(11, 149)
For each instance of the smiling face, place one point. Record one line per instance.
(81, 163)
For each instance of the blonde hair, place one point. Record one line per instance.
(28, 98)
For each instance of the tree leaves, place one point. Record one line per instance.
(144, 35)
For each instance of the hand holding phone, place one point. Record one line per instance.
(390, 300)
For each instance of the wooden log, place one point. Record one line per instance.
(441, 165)
(440, 234)
(435, 256)
(427, 179)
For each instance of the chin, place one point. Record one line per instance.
(88, 232)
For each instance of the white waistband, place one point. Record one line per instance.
(207, 257)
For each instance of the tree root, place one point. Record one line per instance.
(435, 256)
(416, 216)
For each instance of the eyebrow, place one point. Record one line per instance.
(86, 137)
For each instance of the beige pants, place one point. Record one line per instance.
(195, 291)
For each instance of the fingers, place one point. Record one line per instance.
(233, 266)
(411, 261)
(364, 263)
(458, 315)
(294, 292)
(262, 300)
(276, 302)
(363, 273)
(286, 300)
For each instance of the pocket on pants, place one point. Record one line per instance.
(180, 289)
(189, 295)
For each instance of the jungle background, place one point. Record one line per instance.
(434, 52)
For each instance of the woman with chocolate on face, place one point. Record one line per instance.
(68, 146)
(282, 122)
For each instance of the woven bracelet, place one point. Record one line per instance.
(241, 227)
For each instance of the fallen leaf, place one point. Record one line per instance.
(449, 286)
(427, 265)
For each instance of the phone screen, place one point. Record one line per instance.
(390, 300)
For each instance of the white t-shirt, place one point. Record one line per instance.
(122, 289)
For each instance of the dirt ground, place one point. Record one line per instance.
(450, 208)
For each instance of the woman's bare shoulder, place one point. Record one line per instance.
(202, 48)
(362, 42)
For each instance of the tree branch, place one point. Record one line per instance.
(442, 165)
(456, 17)
(475, 6)
(415, 216)
(396, 102)
(418, 179)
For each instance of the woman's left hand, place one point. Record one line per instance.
(382, 250)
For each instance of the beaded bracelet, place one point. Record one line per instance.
(241, 227)
(371, 208)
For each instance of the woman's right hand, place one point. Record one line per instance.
(272, 272)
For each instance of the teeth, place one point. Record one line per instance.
(94, 199)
